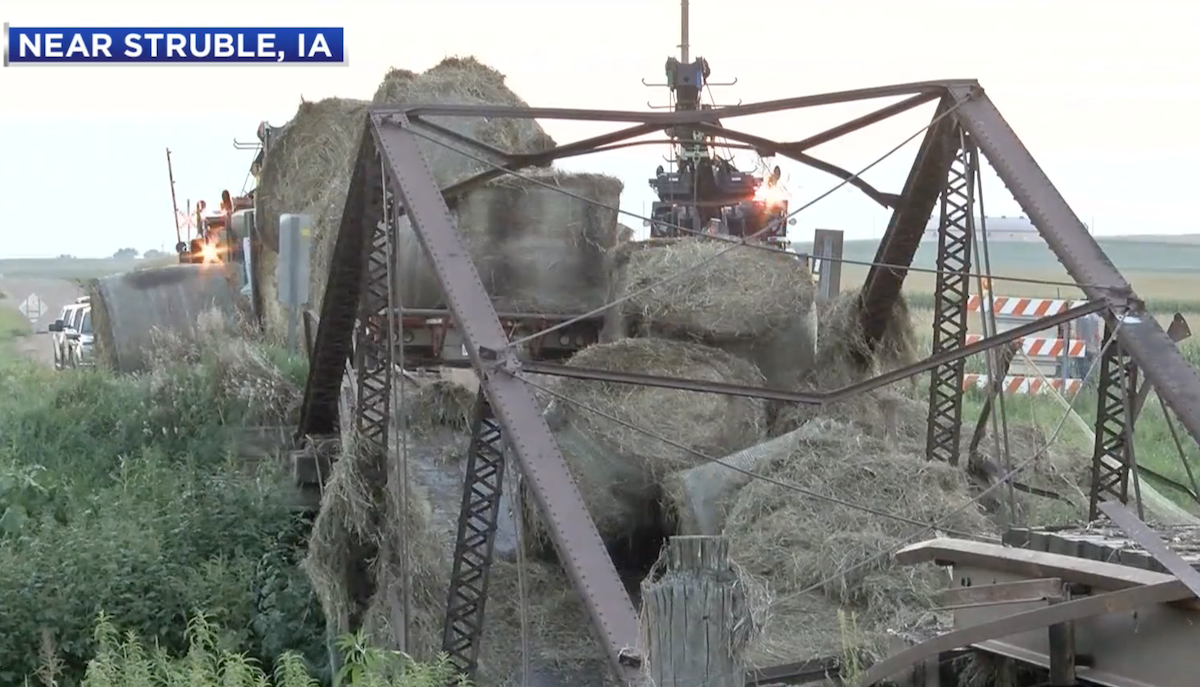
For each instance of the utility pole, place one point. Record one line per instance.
(174, 203)
(683, 31)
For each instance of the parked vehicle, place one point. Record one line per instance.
(68, 321)
(81, 343)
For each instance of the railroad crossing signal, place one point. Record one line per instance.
(33, 307)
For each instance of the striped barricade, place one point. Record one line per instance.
(1052, 348)
(1016, 384)
(1009, 306)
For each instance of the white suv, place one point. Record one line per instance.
(81, 343)
(68, 322)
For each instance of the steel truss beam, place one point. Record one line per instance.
(1176, 381)
(373, 350)
(962, 104)
(900, 241)
(1112, 455)
(578, 543)
(475, 543)
(950, 304)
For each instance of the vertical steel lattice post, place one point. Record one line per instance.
(373, 370)
(950, 306)
(476, 539)
(1112, 455)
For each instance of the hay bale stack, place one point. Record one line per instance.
(536, 249)
(620, 470)
(753, 303)
(800, 542)
(309, 165)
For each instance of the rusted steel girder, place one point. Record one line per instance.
(475, 542)
(578, 543)
(950, 304)
(900, 241)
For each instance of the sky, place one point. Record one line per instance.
(1105, 94)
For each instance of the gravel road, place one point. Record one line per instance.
(54, 294)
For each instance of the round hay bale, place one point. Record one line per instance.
(799, 541)
(308, 167)
(129, 308)
(463, 81)
(620, 470)
(883, 413)
(306, 171)
(537, 250)
(754, 303)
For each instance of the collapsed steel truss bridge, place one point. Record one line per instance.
(390, 177)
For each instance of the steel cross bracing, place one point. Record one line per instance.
(950, 303)
(476, 539)
(392, 132)
(1112, 456)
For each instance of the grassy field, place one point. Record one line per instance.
(1166, 274)
(75, 268)
(13, 326)
(1154, 443)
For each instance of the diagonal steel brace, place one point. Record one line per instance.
(575, 536)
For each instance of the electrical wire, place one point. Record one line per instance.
(1004, 479)
(692, 268)
(791, 486)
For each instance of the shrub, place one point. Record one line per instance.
(124, 493)
(125, 662)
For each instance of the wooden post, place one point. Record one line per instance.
(1062, 647)
(695, 614)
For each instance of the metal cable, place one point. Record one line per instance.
(978, 497)
(1000, 442)
(1183, 458)
(399, 403)
(749, 473)
(683, 272)
(517, 507)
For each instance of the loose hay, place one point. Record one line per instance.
(353, 557)
(743, 293)
(619, 470)
(843, 355)
(800, 542)
(438, 403)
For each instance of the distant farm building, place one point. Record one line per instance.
(1001, 228)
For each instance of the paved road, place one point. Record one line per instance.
(54, 294)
